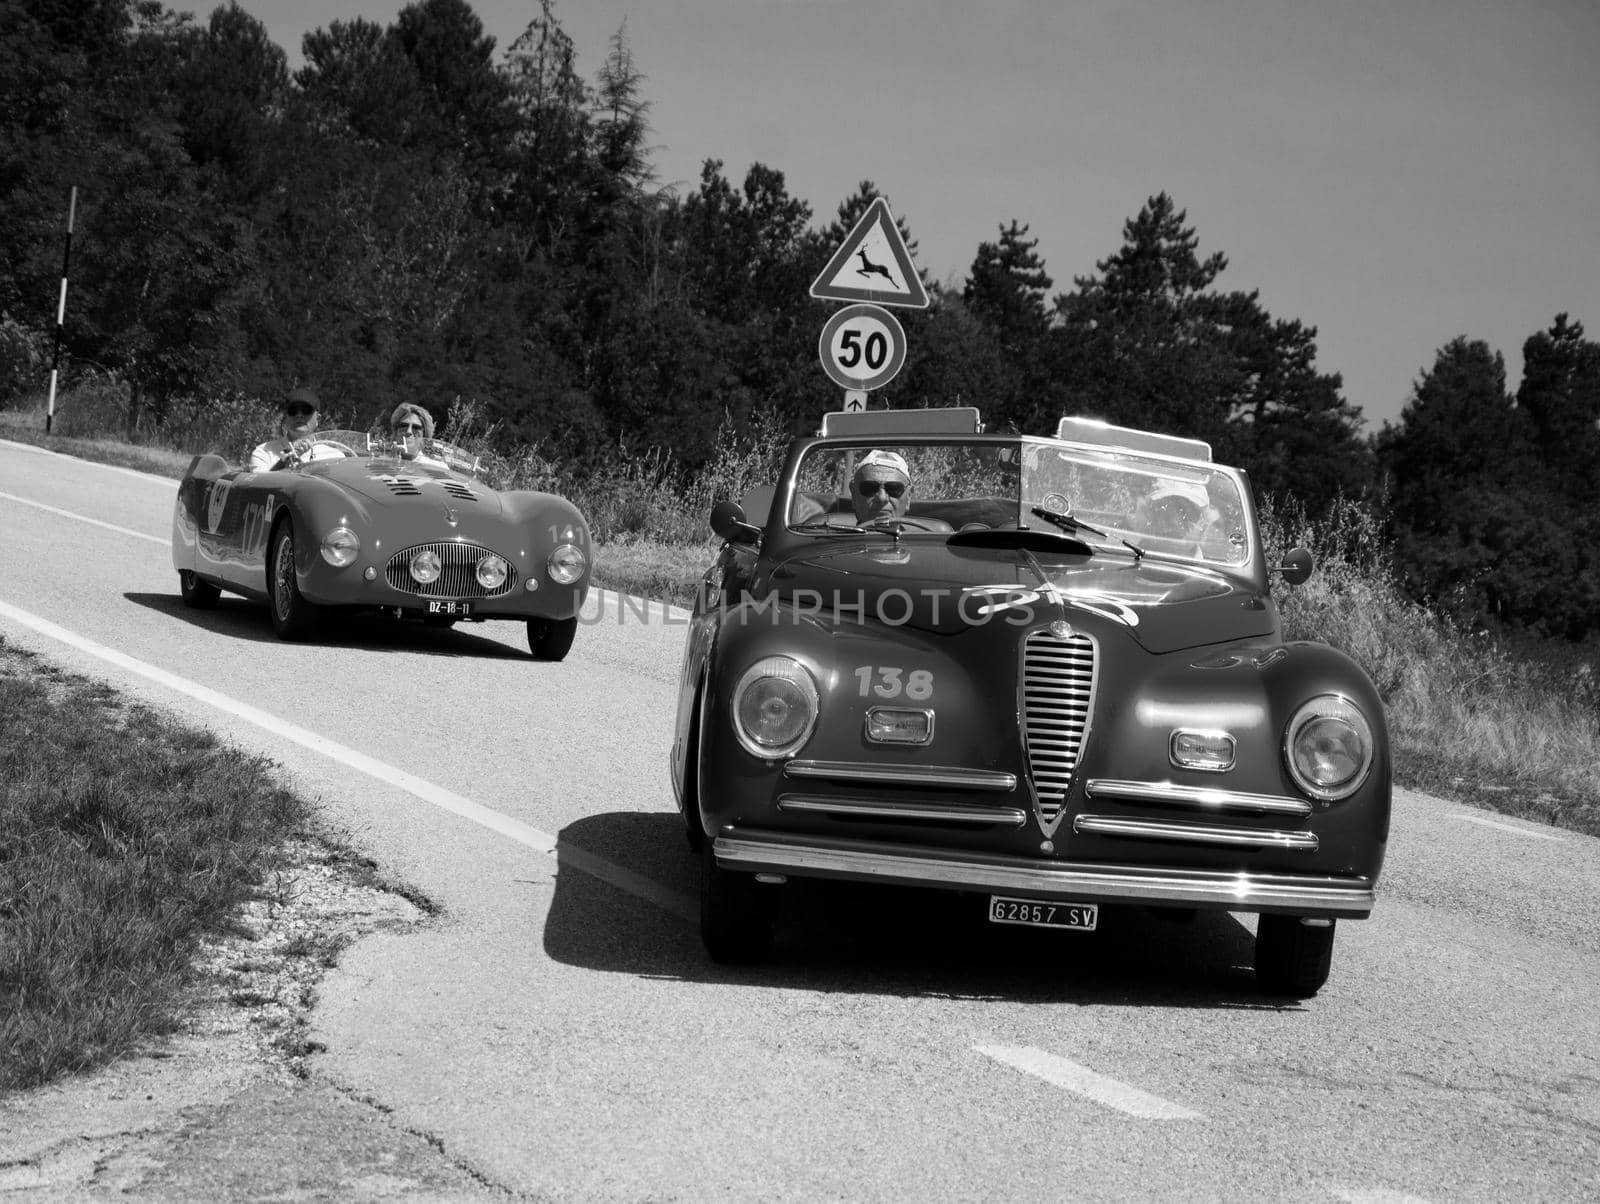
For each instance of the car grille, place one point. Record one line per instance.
(459, 572)
(1057, 699)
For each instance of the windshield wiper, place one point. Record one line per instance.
(1073, 525)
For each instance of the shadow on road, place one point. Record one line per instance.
(243, 619)
(857, 938)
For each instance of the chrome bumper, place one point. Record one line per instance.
(863, 861)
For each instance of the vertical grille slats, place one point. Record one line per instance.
(459, 575)
(1057, 696)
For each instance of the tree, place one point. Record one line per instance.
(1560, 393)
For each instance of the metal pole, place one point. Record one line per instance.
(61, 311)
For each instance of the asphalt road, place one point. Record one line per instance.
(557, 1032)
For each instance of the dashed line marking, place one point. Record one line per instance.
(447, 800)
(1088, 1083)
(1531, 833)
(1376, 1195)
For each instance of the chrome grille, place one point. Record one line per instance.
(1057, 699)
(458, 577)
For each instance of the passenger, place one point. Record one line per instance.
(300, 408)
(881, 487)
(411, 426)
(1176, 509)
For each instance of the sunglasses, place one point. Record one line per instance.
(411, 426)
(870, 488)
(299, 411)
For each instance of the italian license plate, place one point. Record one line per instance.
(456, 610)
(1031, 913)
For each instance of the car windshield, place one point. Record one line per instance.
(1186, 509)
(415, 452)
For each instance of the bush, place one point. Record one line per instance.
(95, 407)
(24, 360)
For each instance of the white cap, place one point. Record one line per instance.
(1188, 490)
(884, 459)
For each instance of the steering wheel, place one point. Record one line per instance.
(915, 523)
(334, 443)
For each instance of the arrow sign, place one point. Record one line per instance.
(872, 264)
(862, 347)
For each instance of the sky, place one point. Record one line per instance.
(1394, 173)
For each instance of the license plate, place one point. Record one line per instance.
(456, 610)
(1031, 913)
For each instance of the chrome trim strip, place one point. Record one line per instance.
(915, 775)
(1202, 797)
(877, 808)
(926, 740)
(1208, 834)
(1230, 890)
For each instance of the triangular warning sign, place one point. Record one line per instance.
(872, 264)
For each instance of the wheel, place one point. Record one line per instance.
(293, 618)
(737, 913)
(551, 639)
(1293, 956)
(198, 593)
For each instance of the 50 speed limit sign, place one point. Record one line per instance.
(862, 347)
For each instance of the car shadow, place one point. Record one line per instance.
(892, 941)
(243, 619)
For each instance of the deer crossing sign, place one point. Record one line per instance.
(872, 264)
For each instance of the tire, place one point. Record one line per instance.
(737, 913)
(551, 639)
(293, 618)
(197, 592)
(689, 790)
(1292, 958)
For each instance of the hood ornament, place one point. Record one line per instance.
(450, 515)
(1061, 629)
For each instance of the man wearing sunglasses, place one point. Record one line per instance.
(881, 486)
(300, 408)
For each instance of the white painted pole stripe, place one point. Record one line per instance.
(84, 518)
(447, 800)
(1085, 1082)
(1532, 833)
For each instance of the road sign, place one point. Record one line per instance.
(862, 347)
(872, 264)
(854, 401)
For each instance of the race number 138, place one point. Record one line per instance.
(862, 347)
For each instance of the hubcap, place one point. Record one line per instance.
(283, 578)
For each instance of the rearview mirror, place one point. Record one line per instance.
(1296, 566)
(727, 522)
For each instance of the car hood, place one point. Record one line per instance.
(398, 483)
(938, 588)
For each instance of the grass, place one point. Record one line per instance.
(123, 839)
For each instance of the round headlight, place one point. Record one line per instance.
(491, 572)
(774, 707)
(425, 566)
(340, 546)
(1328, 746)
(566, 564)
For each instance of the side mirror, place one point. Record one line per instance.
(1296, 566)
(727, 522)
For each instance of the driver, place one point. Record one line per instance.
(881, 487)
(300, 408)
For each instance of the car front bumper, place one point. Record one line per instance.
(754, 850)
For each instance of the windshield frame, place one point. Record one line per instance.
(783, 538)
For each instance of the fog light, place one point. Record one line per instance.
(371, 573)
(491, 572)
(1210, 751)
(425, 566)
(899, 725)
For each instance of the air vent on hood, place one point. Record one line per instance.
(456, 489)
(399, 486)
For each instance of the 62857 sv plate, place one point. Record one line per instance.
(1033, 913)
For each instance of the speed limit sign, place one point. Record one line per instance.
(862, 347)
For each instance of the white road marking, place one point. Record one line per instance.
(1376, 1195)
(153, 478)
(1489, 823)
(447, 800)
(84, 518)
(1087, 1083)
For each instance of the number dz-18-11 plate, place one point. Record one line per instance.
(1032, 913)
(455, 610)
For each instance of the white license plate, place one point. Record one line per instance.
(1031, 913)
(456, 610)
